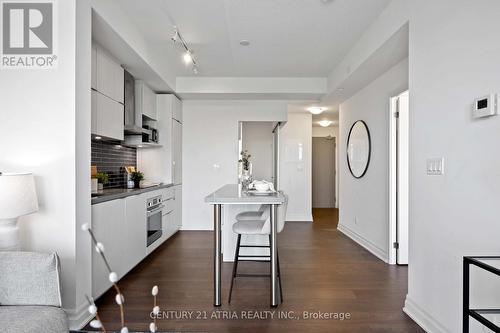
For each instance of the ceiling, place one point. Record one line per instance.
(288, 38)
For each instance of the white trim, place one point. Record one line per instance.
(374, 249)
(392, 181)
(79, 317)
(197, 228)
(422, 317)
(299, 217)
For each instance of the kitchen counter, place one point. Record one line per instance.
(119, 193)
(233, 194)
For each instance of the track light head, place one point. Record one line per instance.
(187, 57)
(175, 36)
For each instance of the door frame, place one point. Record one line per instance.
(335, 166)
(393, 177)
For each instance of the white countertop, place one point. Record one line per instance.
(232, 194)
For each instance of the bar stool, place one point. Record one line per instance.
(246, 225)
(252, 215)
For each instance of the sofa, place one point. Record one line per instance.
(30, 293)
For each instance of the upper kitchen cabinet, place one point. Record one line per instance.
(107, 117)
(109, 75)
(93, 73)
(107, 83)
(177, 109)
(145, 100)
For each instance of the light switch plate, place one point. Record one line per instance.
(435, 166)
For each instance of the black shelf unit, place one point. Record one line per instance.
(481, 315)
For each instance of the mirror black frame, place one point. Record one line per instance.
(369, 148)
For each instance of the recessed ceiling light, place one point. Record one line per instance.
(98, 138)
(316, 109)
(244, 42)
(325, 123)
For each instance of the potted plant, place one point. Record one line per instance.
(102, 179)
(136, 177)
(245, 160)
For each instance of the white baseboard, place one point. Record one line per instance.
(197, 228)
(374, 249)
(78, 317)
(422, 318)
(299, 217)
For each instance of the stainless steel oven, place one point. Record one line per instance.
(155, 208)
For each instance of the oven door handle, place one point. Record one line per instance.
(156, 210)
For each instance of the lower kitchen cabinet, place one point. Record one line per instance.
(177, 223)
(121, 226)
(109, 229)
(135, 224)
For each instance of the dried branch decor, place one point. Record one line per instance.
(119, 299)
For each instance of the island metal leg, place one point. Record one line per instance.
(217, 254)
(273, 217)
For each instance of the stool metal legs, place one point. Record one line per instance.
(237, 257)
(235, 265)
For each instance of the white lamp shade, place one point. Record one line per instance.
(17, 195)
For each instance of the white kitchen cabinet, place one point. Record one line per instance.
(107, 117)
(93, 83)
(109, 76)
(134, 249)
(108, 225)
(93, 109)
(176, 109)
(176, 152)
(168, 219)
(160, 164)
(145, 100)
(177, 222)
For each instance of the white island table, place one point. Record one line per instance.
(233, 194)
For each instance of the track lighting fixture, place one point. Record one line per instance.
(188, 56)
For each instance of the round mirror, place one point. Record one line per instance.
(358, 149)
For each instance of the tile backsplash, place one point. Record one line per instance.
(111, 159)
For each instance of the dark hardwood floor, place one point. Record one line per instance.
(323, 271)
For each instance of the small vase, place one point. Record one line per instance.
(137, 183)
(100, 186)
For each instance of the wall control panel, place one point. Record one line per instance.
(485, 106)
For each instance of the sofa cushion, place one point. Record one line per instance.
(33, 319)
(28, 278)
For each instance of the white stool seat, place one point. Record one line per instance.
(253, 215)
(249, 227)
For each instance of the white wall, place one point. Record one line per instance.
(364, 202)
(296, 165)
(325, 131)
(210, 150)
(78, 313)
(257, 138)
(454, 58)
(37, 134)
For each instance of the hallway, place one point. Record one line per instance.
(323, 271)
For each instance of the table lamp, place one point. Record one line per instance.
(17, 198)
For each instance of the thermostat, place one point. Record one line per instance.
(485, 106)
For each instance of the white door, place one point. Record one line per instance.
(400, 178)
(176, 152)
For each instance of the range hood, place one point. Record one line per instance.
(133, 120)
